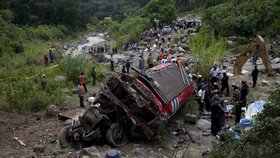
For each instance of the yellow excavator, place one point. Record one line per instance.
(256, 48)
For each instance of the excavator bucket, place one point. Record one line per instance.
(256, 48)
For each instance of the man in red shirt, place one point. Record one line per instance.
(82, 80)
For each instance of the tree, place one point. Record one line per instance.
(129, 29)
(207, 51)
(163, 10)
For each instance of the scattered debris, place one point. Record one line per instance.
(113, 153)
(19, 141)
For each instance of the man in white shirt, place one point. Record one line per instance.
(214, 74)
(200, 98)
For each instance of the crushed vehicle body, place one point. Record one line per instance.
(131, 105)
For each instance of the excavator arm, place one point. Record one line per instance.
(257, 48)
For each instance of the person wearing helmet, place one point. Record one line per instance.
(199, 82)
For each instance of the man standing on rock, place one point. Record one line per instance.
(255, 74)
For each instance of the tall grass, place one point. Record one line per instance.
(206, 51)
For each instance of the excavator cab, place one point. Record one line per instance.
(253, 49)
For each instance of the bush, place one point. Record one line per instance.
(26, 95)
(45, 32)
(206, 51)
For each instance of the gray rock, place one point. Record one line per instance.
(194, 136)
(232, 38)
(265, 83)
(100, 57)
(276, 60)
(60, 78)
(181, 153)
(190, 118)
(203, 124)
(51, 111)
(39, 148)
(65, 47)
(92, 152)
(139, 152)
(230, 43)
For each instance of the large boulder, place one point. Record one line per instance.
(190, 118)
(203, 125)
(100, 57)
(194, 136)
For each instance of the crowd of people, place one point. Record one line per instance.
(210, 94)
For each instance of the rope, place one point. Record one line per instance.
(30, 77)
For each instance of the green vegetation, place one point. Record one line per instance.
(206, 51)
(163, 10)
(261, 141)
(244, 18)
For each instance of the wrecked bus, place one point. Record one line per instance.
(131, 105)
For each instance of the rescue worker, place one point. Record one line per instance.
(93, 75)
(43, 82)
(255, 74)
(199, 82)
(81, 91)
(127, 65)
(82, 80)
(217, 115)
(242, 101)
(224, 83)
